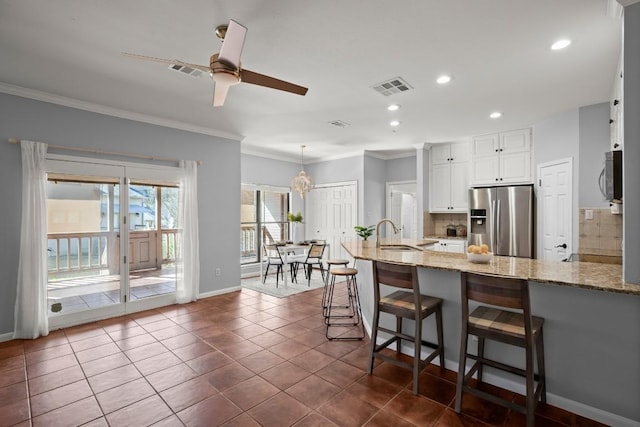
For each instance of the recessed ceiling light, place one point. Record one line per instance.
(560, 44)
(393, 107)
(495, 115)
(394, 123)
(443, 79)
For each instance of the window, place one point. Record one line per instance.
(263, 219)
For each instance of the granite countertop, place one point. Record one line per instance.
(587, 275)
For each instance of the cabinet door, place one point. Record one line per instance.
(515, 168)
(485, 170)
(456, 246)
(485, 145)
(440, 194)
(460, 152)
(460, 186)
(515, 141)
(440, 154)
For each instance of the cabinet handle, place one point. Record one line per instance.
(500, 179)
(496, 179)
(501, 149)
(496, 150)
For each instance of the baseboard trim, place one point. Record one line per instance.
(6, 337)
(219, 292)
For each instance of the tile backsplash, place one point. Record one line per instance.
(435, 224)
(601, 235)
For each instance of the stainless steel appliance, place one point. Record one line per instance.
(611, 176)
(503, 219)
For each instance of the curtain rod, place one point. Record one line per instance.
(110, 153)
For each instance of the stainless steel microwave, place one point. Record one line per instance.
(611, 183)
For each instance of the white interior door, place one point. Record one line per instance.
(555, 198)
(332, 213)
(402, 208)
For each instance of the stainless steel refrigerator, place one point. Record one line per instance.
(502, 218)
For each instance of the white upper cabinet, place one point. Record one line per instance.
(617, 116)
(449, 183)
(501, 158)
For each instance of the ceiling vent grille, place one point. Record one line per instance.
(391, 86)
(186, 70)
(339, 124)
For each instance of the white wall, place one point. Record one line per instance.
(373, 190)
(556, 138)
(594, 141)
(402, 169)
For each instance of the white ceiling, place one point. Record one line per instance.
(496, 50)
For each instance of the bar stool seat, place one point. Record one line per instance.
(519, 328)
(351, 313)
(409, 304)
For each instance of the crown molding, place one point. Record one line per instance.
(110, 111)
(626, 3)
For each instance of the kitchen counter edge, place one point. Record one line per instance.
(586, 275)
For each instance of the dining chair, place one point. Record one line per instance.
(313, 258)
(274, 257)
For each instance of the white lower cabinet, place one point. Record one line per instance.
(450, 245)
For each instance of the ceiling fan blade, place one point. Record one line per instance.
(232, 45)
(219, 94)
(203, 68)
(254, 78)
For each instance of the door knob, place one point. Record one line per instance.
(563, 246)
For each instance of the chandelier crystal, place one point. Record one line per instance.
(302, 182)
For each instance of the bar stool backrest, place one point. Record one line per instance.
(498, 291)
(396, 275)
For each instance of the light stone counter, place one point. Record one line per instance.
(588, 275)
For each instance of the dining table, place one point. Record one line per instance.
(287, 250)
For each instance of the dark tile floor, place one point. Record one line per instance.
(240, 359)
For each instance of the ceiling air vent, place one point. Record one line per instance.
(186, 70)
(391, 86)
(339, 124)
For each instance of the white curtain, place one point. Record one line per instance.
(188, 255)
(31, 319)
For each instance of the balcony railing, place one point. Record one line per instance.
(70, 252)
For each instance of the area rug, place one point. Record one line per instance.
(269, 286)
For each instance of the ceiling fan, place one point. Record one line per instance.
(224, 67)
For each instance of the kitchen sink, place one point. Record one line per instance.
(399, 248)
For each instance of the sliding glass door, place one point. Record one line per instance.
(111, 233)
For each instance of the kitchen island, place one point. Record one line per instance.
(592, 323)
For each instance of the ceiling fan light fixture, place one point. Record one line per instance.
(302, 183)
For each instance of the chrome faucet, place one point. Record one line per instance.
(395, 229)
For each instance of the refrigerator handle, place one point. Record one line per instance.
(496, 219)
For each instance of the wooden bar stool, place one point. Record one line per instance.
(330, 264)
(404, 304)
(353, 316)
(517, 328)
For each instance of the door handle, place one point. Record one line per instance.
(563, 246)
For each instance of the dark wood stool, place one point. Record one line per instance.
(330, 263)
(404, 304)
(353, 316)
(517, 328)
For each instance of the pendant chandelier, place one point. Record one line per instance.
(301, 183)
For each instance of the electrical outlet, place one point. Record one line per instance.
(588, 214)
(218, 272)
